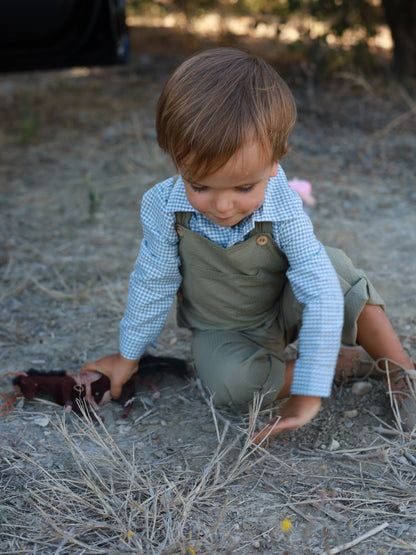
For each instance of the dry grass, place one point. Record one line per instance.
(110, 500)
(105, 498)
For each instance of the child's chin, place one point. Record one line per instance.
(226, 222)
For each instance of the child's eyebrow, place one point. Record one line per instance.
(236, 187)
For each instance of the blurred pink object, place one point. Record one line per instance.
(303, 189)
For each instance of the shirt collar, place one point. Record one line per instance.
(280, 202)
(178, 201)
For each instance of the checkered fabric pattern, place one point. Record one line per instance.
(156, 276)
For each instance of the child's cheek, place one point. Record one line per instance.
(198, 201)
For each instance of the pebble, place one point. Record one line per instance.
(41, 421)
(334, 445)
(361, 388)
(351, 413)
(123, 429)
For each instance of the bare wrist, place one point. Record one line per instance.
(128, 362)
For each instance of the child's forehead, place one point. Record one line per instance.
(251, 157)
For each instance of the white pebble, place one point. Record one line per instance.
(361, 388)
(334, 445)
(41, 421)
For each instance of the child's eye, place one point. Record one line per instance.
(246, 189)
(197, 188)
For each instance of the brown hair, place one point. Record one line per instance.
(214, 102)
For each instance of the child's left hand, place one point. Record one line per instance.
(296, 412)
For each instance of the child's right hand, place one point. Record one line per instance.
(115, 367)
(296, 412)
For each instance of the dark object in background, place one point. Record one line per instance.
(63, 389)
(46, 34)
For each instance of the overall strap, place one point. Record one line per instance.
(183, 218)
(261, 227)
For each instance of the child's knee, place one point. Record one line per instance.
(234, 370)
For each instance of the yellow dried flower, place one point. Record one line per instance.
(130, 533)
(286, 525)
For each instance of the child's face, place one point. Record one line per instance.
(235, 190)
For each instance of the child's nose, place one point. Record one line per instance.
(223, 203)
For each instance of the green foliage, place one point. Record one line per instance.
(94, 197)
(339, 14)
(188, 7)
(346, 14)
(340, 26)
(28, 122)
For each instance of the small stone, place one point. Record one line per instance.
(41, 421)
(334, 445)
(123, 429)
(235, 540)
(361, 388)
(351, 413)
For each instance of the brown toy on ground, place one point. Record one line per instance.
(63, 388)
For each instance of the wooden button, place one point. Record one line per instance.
(179, 231)
(262, 240)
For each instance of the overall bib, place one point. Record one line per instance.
(242, 311)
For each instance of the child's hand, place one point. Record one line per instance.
(296, 412)
(115, 367)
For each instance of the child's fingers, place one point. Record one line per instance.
(268, 431)
(115, 389)
(90, 367)
(85, 378)
(274, 428)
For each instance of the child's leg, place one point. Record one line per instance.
(377, 336)
(365, 322)
(285, 391)
(234, 365)
(358, 362)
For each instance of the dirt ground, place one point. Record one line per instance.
(77, 152)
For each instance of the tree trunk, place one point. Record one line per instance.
(401, 18)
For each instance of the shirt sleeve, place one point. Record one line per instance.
(155, 279)
(315, 284)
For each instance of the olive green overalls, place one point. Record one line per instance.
(242, 312)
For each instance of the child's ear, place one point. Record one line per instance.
(274, 169)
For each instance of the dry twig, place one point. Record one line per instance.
(358, 540)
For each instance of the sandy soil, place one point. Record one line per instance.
(77, 152)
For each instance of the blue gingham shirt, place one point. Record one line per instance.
(156, 277)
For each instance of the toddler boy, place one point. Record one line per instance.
(229, 237)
